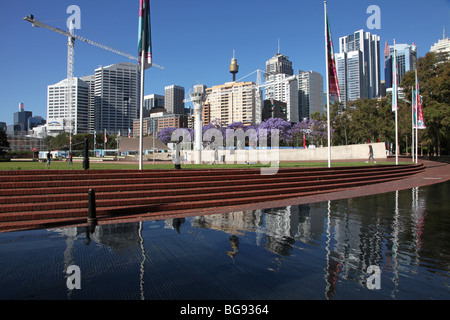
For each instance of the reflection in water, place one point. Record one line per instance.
(314, 251)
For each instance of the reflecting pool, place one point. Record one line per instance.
(317, 251)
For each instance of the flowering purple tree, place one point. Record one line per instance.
(299, 130)
(276, 123)
(165, 135)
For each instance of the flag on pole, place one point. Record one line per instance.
(418, 103)
(118, 135)
(394, 82)
(106, 139)
(332, 73)
(129, 133)
(145, 39)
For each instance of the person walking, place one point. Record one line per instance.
(371, 154)
(49, 157)
(70, 159)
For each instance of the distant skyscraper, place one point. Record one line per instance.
(174, 99)
(406, 61)
(153, 101)
(284, 88)
(59, 115)
(279, 64)
(310, 93)
(359, 60)
(21, 120)
(284, 85)
(442, 46)
(90, 81)
(116, 97)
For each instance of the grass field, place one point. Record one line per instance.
(62, 165)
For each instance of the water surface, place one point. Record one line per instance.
(317, 251)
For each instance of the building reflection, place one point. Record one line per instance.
(352, 233)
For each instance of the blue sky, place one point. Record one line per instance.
(193, 40)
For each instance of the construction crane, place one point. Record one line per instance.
(70, 54)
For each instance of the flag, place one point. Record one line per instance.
(129, 133)
(418, 109)
(332, 74)
(394, 82)
(106, 139)
(145, 39)
(118, 134)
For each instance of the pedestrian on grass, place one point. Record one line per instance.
(371, 154)
(70, 159)
(49, 157)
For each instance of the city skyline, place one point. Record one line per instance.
(194, 42)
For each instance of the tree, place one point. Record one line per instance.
(433, 73)
(276, 123)
(4, 144)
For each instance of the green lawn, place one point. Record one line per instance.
(62, 165)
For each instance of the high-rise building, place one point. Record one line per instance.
(153, 101)
(442, 46)
(90, 81)
(117, 89)
(283, 87)
(359, 53)
(406, 56)
(232, 102)
(282, 84)
(174, 99)
(310, 93)
(21, 120)
(278, 64)
(64, 118)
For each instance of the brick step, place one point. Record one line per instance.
(55, 218)
(163, 172)
(18, 203)
(26, 188)
(135, 198)
(44, 177)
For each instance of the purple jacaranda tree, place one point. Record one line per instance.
(319, 135)
(298, 130)
(165, 135)
(276, 123)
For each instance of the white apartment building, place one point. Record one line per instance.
(310, 93)
(442, 46)
(117, 89)
(64, 118)
(233, 102)
(284, 88)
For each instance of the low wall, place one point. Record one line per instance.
(351, 152)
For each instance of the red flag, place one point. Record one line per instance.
(332, 74)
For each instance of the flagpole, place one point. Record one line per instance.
(416, 114)
(141, 108)
(394, 92)
(412, 124)
(328, 87)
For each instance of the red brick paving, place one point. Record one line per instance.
(434, 172)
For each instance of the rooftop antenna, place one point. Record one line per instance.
(278, 45)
